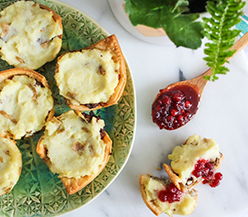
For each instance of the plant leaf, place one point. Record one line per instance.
(146, 14)
(170, 15)
(218, 29)
(184, 31)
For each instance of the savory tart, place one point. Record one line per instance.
(92, 77)
(193, 162)
(30, 34)
(76, 147)
(161, 196)
(10, 164)
(26, 102)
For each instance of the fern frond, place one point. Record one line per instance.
(225, 14)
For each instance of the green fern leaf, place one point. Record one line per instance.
(218, 29)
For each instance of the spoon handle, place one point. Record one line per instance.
(238, 46)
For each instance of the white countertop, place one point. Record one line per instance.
(222, 116)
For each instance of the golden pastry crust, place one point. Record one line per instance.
(20, 71)
(8, 74)
(150, 204)
(72, 184)
(19, 162)
(56, 17)
(173, 177)
(108, 44)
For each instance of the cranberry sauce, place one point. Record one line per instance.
(174, 107)
(205, 169)
(170, 194)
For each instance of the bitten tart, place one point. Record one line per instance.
(26, 102)
(92, 77)
(10, 164)
(161, 196)
(193, 162)
(76, 147)
(30, 34)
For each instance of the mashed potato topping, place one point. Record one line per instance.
(28, 35)
(24, 106)
(10, 164)
(182, 207)
(184, 157)
(74, 146)
(88, 76)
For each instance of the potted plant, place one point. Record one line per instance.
(179, 19)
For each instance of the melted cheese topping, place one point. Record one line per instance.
(28, 35)
(75, 147)
(10, 163)
(89, 76)
(185, 157)
(183, 207)
(24, 106)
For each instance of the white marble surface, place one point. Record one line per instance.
(222, 116)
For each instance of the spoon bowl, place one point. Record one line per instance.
(177, 104)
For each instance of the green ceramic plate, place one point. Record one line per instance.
(38, 191)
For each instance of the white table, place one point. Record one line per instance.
(154, 67)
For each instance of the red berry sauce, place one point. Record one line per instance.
(205, 169)
(174, 107)
(170, 194)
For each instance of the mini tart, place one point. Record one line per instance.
(184, 158)
(76, 147)
(149, 189)
(92, 77)
(26, 102)
(30, 34)
(10, 164)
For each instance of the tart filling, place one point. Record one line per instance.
(73, 145)
(186, 156)
(30, 36)
(92, 77)
(24, 106)
(151, 188)
(10, 164)
(88, 76)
